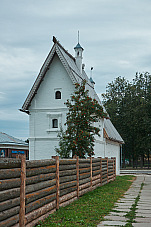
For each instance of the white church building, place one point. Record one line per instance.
(47, 111)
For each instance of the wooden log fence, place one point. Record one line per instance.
(31, 190)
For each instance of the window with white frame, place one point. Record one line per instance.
(54, 121)
(58, 95)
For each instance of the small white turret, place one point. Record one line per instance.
(78, 56)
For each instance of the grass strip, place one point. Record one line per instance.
(132, 213)
(91, 208)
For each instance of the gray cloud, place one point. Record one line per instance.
(115, 36)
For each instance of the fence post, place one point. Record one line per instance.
(115, 166)
(57, 182)
(107, 168)
(113, 177)
(101, 171)
(77, 167)
(22, 191)
(91, 171)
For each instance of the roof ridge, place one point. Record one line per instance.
(56, 41)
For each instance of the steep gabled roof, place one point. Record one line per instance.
(10, 140)
(68, 62)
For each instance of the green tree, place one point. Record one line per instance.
(83, 112)
(142, 82)
(115, 101)
(128, 104)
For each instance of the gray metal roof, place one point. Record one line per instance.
(6, 139)
(112, 132)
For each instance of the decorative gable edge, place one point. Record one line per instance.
(45, 68)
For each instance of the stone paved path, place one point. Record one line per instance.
(122, 207)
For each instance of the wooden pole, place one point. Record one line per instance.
(77, 167)
(91, 170)
(107, 169)
(101, 171)
(115, 166)
(22, 191)
(57, 182)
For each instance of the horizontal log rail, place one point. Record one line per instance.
(68, 184)
(95, 168)
(67, 173)
(40, 163)
(84, 161)
(41, 170)
(39, 186)
(9, 173)
(67, 167)
(95, 160)
(40, 194)
(9, 163)
(67, 190)
(47, 185)
(84, 170)
(83, 181)
(67, 161)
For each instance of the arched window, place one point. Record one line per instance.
(58, 95)
(55, 123)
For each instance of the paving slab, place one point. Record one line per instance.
(116, 218)
(123, 200)
(121, 209)
(144, 206)
(122, 214)
(100, 225)
(144, 202)
(128, 197)
(112, 223)
(138, 214)
(124, 206)
(142, 211)
(143, 220)
(141, 225)
(145, 197)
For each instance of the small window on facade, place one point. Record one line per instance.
(58, 95)
(55, 123)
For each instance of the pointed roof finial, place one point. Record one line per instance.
(78, 36)
(78, 45)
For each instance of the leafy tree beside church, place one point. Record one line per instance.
(79, 137)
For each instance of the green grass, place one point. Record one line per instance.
(91, 208)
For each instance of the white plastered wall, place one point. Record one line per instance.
(112, 149)
(44, 107)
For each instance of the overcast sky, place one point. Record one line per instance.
(115, 35)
